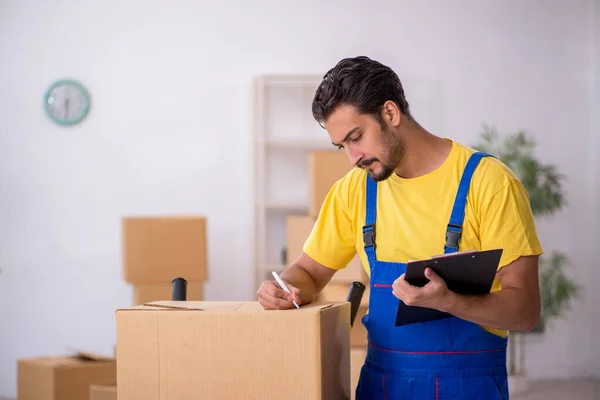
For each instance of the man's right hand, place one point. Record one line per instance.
(272, 297)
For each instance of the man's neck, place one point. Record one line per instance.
(424, 153)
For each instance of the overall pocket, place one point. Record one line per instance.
(377, 385)
(484, 387)
(371, 384)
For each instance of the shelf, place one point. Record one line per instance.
(290, 80)
(299, 144)
(285, 132)
(291, 207)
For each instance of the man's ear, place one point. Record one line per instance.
(391, 113)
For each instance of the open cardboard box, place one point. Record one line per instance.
(63, 377)
(233, 350)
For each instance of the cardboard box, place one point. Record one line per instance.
(159, 249)
(233, 350)
(324, 169)
(103, 392)
(359, 335)
(63, 378)
(298, 228)
(335, 291)
(148, 292)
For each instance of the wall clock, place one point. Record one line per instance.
(66, 102)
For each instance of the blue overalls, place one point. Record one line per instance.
(447, 358)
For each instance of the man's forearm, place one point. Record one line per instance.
(509, 309)
(297, 276)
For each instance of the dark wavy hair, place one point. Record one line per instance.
(360, 82)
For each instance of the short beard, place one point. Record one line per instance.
(394, 150)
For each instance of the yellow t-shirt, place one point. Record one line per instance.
(413, 214)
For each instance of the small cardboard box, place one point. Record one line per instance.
(233, 350)
(359, 337)
(338, 291)
(148, 292)
(357, 360)
(325, 167)
(159, 249)
(103, 391)
(298, 228)
(63, 377)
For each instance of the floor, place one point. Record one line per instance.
(552, 390)
(555, 390)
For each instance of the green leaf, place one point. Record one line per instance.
(543, 183)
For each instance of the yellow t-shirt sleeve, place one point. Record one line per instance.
(331, 241)
(507, 222)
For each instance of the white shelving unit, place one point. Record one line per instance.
(284, 134)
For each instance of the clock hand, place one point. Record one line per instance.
(66, 108)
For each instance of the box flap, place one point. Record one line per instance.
(241, 306)
(321, 305)
(88, 355)
(188, 305)
(254, 306)
(74, 357)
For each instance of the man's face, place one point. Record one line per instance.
(368, 145)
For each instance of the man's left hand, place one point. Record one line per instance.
(435, 294)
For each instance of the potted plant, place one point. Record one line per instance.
(543, 185)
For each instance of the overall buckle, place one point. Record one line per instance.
(453, 236)
(369, 235)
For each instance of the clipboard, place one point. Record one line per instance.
(469, 272)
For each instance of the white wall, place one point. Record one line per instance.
(170, 132)
(594, 186)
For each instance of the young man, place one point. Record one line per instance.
(413, 196)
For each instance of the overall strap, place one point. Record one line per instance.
(371, 214)
(454, 230)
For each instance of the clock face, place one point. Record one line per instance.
(67, 102)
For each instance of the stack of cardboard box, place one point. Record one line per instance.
(325, 168)
(155, 251)
(158, 249)
(219, 350)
